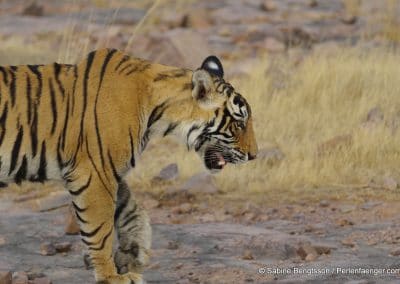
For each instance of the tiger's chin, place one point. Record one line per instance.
(214, 161)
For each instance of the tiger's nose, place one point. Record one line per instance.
(250, 156)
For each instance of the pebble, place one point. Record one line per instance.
(268, 6)
(247, 255)
(168, 173)
(344, 222)
(348, 243)
(47, 249)
(395, 252)
(63, 247)
(324, 203)
(19, 277)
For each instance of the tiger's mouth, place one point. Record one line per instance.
(214, 160)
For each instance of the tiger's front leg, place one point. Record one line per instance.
(94, 203)
(134, 233)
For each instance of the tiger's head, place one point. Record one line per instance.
(228, 135)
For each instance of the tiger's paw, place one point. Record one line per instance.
(127, 278)
(131, 260)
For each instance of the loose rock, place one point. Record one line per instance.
(5, 277)
(33, 9)
(349, 19)
(305, 250)
(268, 6)
(47, 249)
(313, 3)
(311, 257)
(19, 277)
(348, 243)
(63, 247)
(395, 252)
(344, 222)
(247, 255)
(168, 173)
(324, 203)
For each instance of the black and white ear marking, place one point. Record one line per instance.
(213, 66)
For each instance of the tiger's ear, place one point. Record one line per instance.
(202, 92)
(213, 66)
(202, 84)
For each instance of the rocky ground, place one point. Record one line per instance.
(200, 235)
(200, 239)
(183, 33)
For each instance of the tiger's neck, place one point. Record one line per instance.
(170, 109)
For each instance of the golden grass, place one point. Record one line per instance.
(326, 96)
(295, 109)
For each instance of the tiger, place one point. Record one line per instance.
(86, 124)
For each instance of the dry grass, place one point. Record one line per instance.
(296, 110)
(324, 97)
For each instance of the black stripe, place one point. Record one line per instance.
(123, 196)
(193, 128)
(97, 171)
(28, 97)
(170, 128)
(21, 173)
(140, 68)
(74, 88)
(132, 149)
(82, 188)
(126, 67)
(64, 131)
(130, 219)
(156, 114)
(5, 75)
(35, 70)
(57, 70)
(77, 208)
(124, 59)
(115, 173)
(53, 106)
(92, 233)
(80, 218)
(3, 119)
(170, 75)
(85, 90)
(34, 138)
(42, 173)
(15, 150)
(12, 88)
(199, 144)
(96, 121)
(103, 242)
(87, 242)
(222, 122)
(3, 184)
